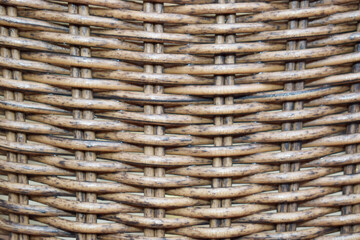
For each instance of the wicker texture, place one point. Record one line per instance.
(179, 119)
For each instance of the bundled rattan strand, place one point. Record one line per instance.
(352, 149)
(82, 10)
(292, 45)
(159, 130)
(14, 116)
(153, 130)
(219, 120)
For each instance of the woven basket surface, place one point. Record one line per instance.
(179, 119)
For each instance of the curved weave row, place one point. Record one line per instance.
(179, 119)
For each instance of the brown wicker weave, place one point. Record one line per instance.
(179, 119)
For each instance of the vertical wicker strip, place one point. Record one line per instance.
(352, 149)
(12, 136)
(83, 10)
(149, 7)
(288, 106)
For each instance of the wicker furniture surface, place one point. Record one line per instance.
(179, 119)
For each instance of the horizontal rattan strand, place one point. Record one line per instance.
(211, 130)
(154, 37)
(97, 187)
(288, 156)
(30, 107)
(300, 95)
(33, 210)
(85, 227)
(85, 165)
(336, 99)
(331, 221)
(30, 24)
(222, 232)
(95, 104)
(231, 212)
(310, 233)
(208, 109)
(83, 207)
(28, 86)
(28, 127)
(141, 201)
(151, 17)
(31, 65)
(337, 160)
(31, 44)
(162, 223)
(32, 229)
(79, 40)
(163, 161)
(223, 8)
(303, 215)
(288, 55)
(68, 82)
(35, 4)
(333, 201)
(155, 119)
(224, 28)
(84, 145)
(74, 19)
(295, 135)
(147, 139)
(154, 58)
(337, 18)
(276, 116)
(339, 237)
(293, 34)
(32, 169)
(124, 236)
(74, 61)
(97, 124)
(156, 99)
(335, 80)
(155, 182)
(30, 148)
(330, 2)
(286, 14)
(32, 190)
(224, 48)
(296, 75)
(276, 178)
(154, 78)
(335, 119)
(296, 196)
(109, 3)
(336, 181)
(336, 39)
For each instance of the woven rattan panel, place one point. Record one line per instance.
(179, 119)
